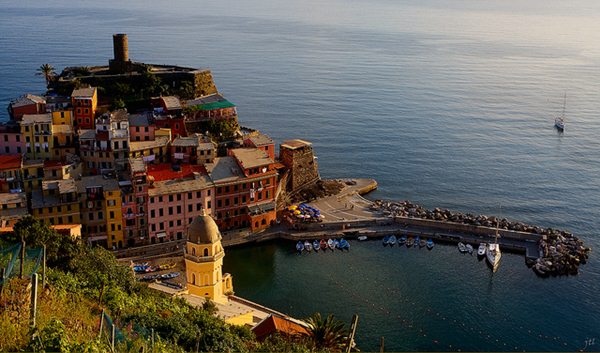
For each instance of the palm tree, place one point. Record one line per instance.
(47, 71)
(326, 334)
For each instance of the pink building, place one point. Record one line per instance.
(140, 128)
(10, 139)
(175, 199)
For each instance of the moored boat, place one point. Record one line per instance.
(429, 244)
(344, 245)
(316, 245)
(323, 244)
(362, 238)
(336, 244)
(417, 241)
(422, 243)
(386, 240)
(481, 250)
(462, 248)
(493, 253)
(331, 244)
(299, 246)
(402, 240)
(469, 248)
(307, 246)
(410, 242)
(559, 122)
(392, 240)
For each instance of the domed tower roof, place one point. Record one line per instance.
(203, 230)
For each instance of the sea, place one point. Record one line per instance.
(448, 104)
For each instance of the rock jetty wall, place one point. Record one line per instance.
(561, 252)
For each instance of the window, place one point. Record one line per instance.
(198, 207)
(190, 208)
(170, 224)
(170, 210)
(208, 204)
(170, 198)
(226, 202)
(189, 195)
(160, 212)
(219, 204)
(178, 197)
(198, 194)
(100, 215)
(179, 222)
(205, 252)
(208, 192)
(178, 209)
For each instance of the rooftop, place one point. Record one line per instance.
(278, 324)
(251, 157)
(171, 102)
(87, 92)
(12, 213)
(87, 134)
(165, 171)
(63, 186)
(36, 119)
(8, 198)
(160, 141)
(139, 120)
(27, 99)
(295, 144)
(198, 182)
(137, 165)
(62, 129)
(94, 181)
(259, 139)
(210, 102)
(224, 169)
(195, 140)
(10, 161)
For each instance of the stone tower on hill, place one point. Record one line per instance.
(204, 261)
(298, 157)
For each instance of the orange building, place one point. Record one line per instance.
(85, 103)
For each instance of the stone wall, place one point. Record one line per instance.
(302, 166)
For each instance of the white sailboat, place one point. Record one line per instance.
(559, 122)
(493, 253)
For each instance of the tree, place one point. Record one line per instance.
(59, 248)
(47, 71)
(326, 334)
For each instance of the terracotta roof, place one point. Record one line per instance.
(260, 139)
(10, 161)
(276, 324)
(87, 92)
(165, 171)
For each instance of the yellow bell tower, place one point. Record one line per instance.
(204, 261)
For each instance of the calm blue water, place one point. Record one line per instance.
(446, 103)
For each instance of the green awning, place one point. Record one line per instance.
(215, 105)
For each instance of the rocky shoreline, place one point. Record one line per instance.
(561, 251)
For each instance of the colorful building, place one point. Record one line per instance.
(140, 128)
(176, 197)
(36, 130)
(27, 104)
(156, 151)
(204, 261)
(195, 149)
(11, 172)
(211, 107)
(85, 103)
(10, 138)
(134, 204)
(101, 217)
(57, 202)
(245, 184)
(13, 207)
(256, 139)
(33, 175)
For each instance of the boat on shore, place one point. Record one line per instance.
(462, 248)
(336, 244)
(392, 240)
(316, 245)
(323, 244)
(299, 246)
(386, 240)
(307, 246)
(422, 243)
(363, 238)
(481, 250)
(402, 240)
(429, 244)
(417, 241)
(469, 248)
(410, 242)
(344, 245)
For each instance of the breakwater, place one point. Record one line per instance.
(560, 252)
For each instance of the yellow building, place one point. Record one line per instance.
(204, 261)
(56, 203)
(62, 117)
(101, 214)
(33, 174)
(150, 151)
(36, 129)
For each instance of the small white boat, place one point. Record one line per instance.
(461, 247)
(331, 244)
(482, 249)
(493, 253)
(362, 238)
(307, 246)
(469, 248)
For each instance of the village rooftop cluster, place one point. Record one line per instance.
(122, 177)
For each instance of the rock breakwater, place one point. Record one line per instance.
(561, 252)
